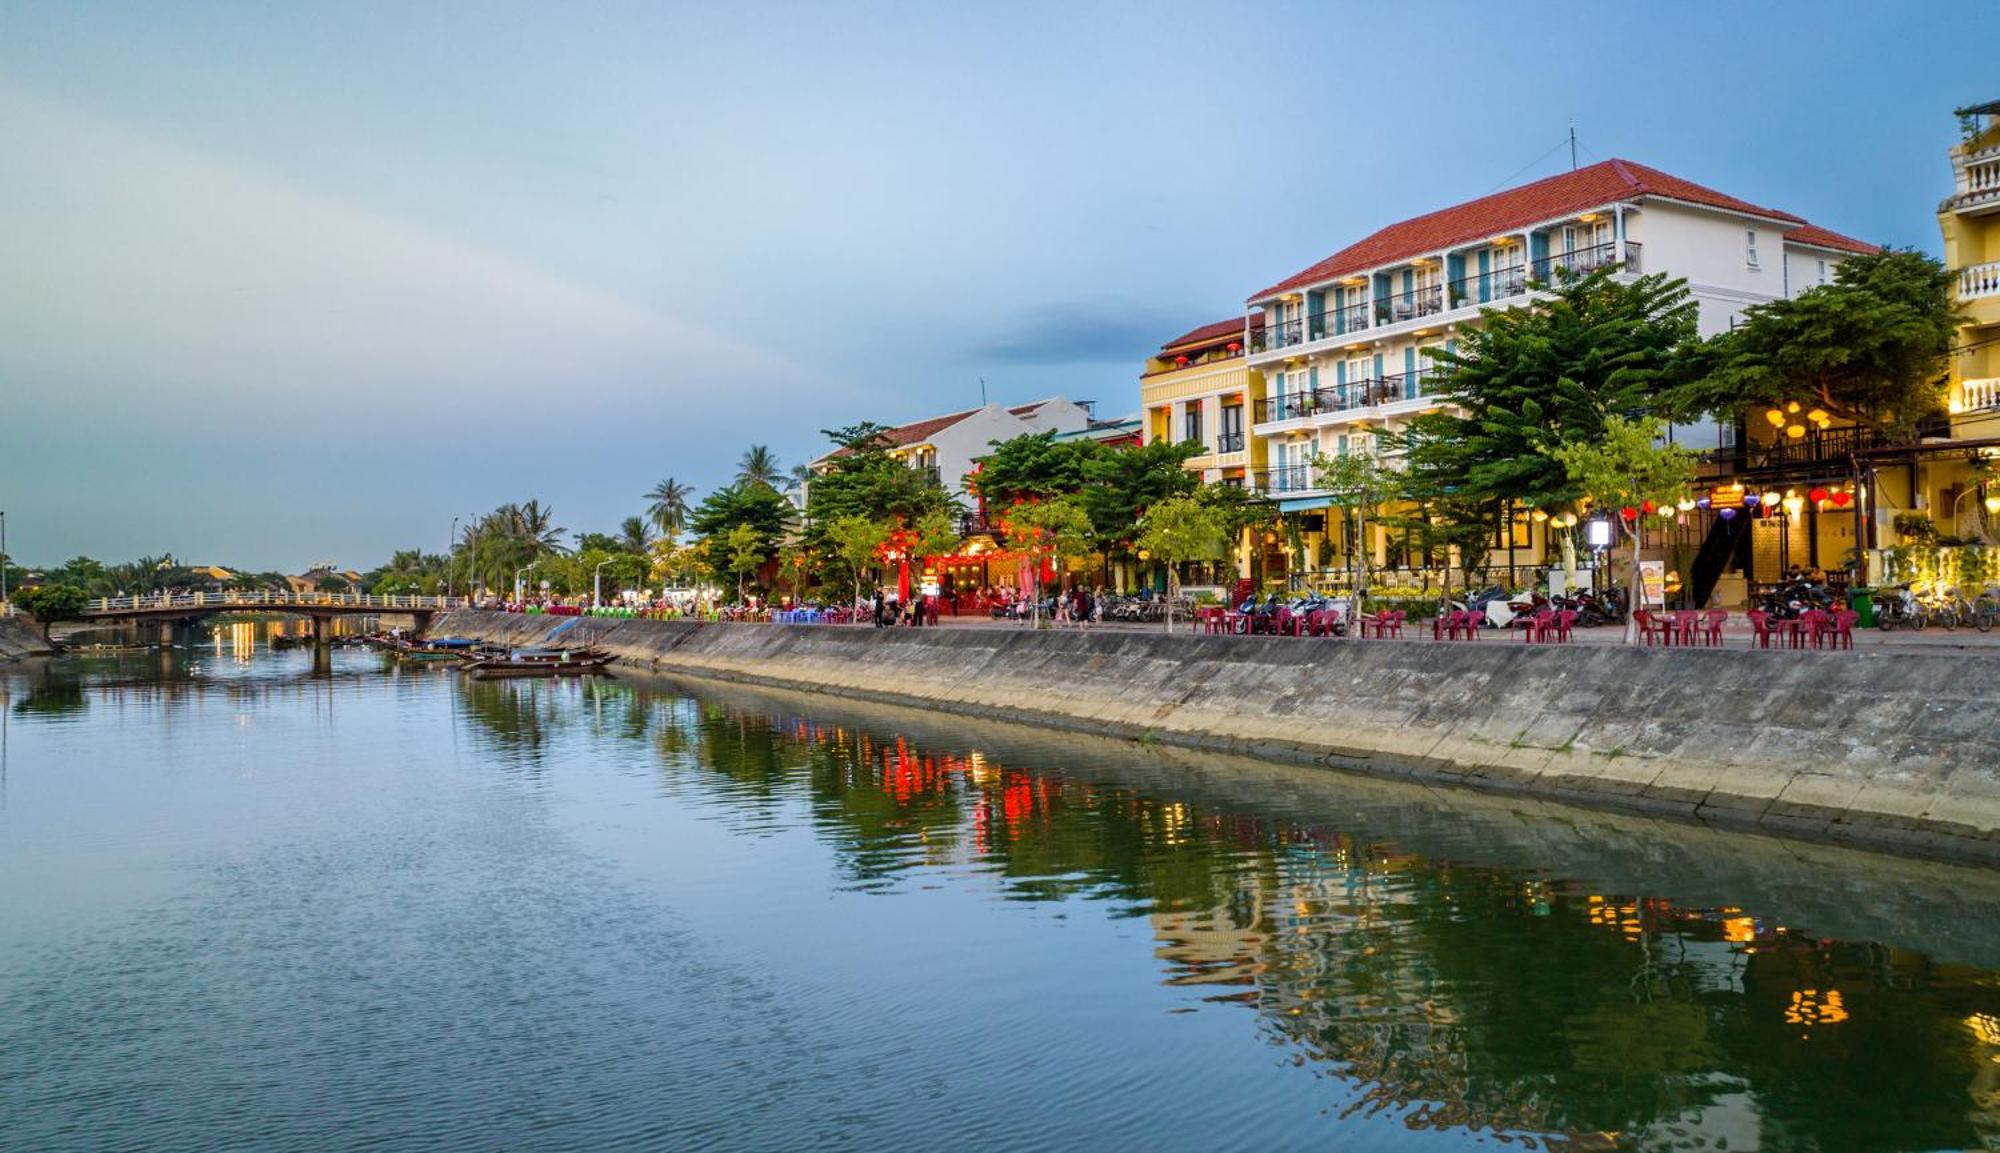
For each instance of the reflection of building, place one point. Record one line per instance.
(1348, 343)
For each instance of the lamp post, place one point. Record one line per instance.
(3, 557)
(597, 583)
(519, 596)
(450, 565)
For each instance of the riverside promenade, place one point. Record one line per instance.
(1895, 749)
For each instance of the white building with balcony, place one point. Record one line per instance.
(1345, 345)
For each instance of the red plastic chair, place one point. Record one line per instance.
(1711, 625)
(1538, 627)
(1761, 629)
(1841, 631)
(1393, 626)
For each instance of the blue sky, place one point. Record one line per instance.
(288, 283)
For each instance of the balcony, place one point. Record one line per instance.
(1229, 442)
(1355, 394)
(1292, 478)
(1414, 305)
(1979, 186)
(1979, 395)
(1584, 261)
(1978, 281)
(977, 524)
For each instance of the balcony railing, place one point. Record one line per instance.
(1290, 478)
(1229, 442)
(1587, 260)
(1354, 394)
(1979, 280)
(1501, 284)
(1982, 181)
(976, 523)
(1413, 305)
(1980, 395)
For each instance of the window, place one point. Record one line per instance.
(1822, 272)
(1191, 426)
(1231, 438)
(1750, 249)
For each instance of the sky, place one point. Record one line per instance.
(291, 283)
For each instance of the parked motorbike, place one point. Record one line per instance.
(1896, 607)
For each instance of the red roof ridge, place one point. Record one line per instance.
(1549, 198)
(1214, 330)
(1817, 237)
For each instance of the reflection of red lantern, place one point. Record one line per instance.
(1816, 495)
(1843, 498)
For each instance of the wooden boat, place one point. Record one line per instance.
(435, 649)
(538, 663)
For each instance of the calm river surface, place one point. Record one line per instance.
(250, 904)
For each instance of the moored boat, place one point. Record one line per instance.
(535, 662)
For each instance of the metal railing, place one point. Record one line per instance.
(1413, 305)
(1290, 478)
(1390, 389)
(1229, 442)
(267, 600)
(1588, 260)
(1979, 280)
(1501, 284)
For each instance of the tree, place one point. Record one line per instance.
(634, 535)
(1121, 484)
(758, 506)
(743, 552)
(1056, 529)
(1631, 473)
(1528, 381)
(1033, 466)
(1177, 530)
(759, 466)
(50, 603)
(862, 479)
(1239, 510)
(1357, 483)
(667, 506)
(1873, 347)
(858, 542)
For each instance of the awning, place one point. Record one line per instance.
(1305, 503)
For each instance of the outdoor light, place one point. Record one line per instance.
(1818, 416)
(1776, 417)
(1752, 500)
(1793, 504)
(1992, 502)
(1597, 534)
(1792, 406)
(1703, 502)
(1771, 498)
(1685, 506)
(1538, 516)
(1728, 514)
(1796, 432)
(1817, 495)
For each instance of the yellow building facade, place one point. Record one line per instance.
(1199, 387)
(1969, 220)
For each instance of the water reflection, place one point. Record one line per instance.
(1449, 995)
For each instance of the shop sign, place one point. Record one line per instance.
(1653, 582)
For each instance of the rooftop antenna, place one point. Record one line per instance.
(1572, 144)
(982, 392)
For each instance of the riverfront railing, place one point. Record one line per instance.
(270, 601)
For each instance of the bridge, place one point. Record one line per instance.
(319, 607)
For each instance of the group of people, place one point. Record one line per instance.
(890, 611)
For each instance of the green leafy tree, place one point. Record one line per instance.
(50, 603)
(1630, 469)
(1529, 381)
(750, 504)
(743, 554)
(635, 536)
(862, 479)
(759, 466)
(857, 541)
(1873, 347)
(1033, 466)
(1241, 510)
(1121, 484)
(1358, 484)
(1056, 529)
(1180, 529)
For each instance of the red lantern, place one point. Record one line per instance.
(1181, 360)
(1817, 495)
(1629, 513)
(1647, 505)
(1236, 346)
(1843, 498)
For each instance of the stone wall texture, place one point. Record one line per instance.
(21, 637)
(1897, 750)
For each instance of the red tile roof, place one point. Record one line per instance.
(1502, 212)
(1209, 333)
(1819, 237)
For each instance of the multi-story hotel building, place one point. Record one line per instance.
(1199, 388)
(1970, 220)
(1346, 344)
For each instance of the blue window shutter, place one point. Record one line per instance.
(1409, 283)
(1339, 310)
(1378, 366)
(1280, 404)
(1343, 444)
(1485, 276)
(1409, 373)
(1340, 381)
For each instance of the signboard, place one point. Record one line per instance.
(1653, 582)
(1726, 496)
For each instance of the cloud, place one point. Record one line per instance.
(1107, 331)
(135, 266)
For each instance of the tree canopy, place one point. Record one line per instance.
(1872, 347)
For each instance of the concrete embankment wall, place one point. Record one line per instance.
(1895, 750)
(20, 637)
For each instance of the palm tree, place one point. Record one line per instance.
(635, 535)
(760, 466)
(668, 509)
(800, 476)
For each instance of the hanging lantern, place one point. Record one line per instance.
(1685, 506)
(1792, 406)
(1236, 346)
(1771, 498)
(1629, 513)
(1703, 502)
(1817, 495)
(1819, 417)
(1538, 516)
(1992, 502)
(1646, 506)
(1751, 500)
(1795, 431)
(1728, 514)
(1843, 498)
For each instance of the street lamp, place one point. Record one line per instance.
(519, 595)
(3, 557)
(597, 583)
(450, 565)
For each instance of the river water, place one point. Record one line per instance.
(248, 901)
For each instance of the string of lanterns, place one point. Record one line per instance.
(1792, 424)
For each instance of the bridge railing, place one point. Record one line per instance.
(264, 599)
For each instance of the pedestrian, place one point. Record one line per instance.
(878, 608)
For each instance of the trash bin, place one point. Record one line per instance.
(1862, 601)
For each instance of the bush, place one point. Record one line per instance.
(51, 603)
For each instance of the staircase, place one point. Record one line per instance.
(1727, 540)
